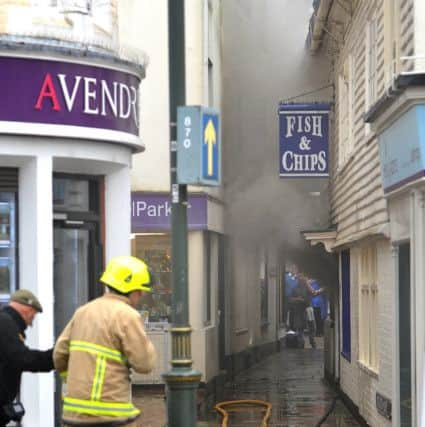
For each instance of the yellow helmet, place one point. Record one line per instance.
(126, 274)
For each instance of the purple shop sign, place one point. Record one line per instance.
(152, 212)
(41, 91)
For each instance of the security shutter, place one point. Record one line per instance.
(8, 179)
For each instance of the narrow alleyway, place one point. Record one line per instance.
(290, 380)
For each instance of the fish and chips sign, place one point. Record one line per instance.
(303, 140)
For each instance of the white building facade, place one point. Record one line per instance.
(69, 124)
(377, 203)
(145, 24)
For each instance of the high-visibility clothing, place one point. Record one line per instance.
(102, 341)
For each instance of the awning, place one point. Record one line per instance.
(326, 237)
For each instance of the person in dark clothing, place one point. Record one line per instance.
(298, 302)
(15, 356)
(291, 282)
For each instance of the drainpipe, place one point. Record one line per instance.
(318, 23)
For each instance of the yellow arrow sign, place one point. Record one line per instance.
(210, 138)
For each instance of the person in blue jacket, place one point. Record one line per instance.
(319, 303)
(291, 283)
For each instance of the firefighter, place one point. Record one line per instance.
(102, 341)
(15, 356)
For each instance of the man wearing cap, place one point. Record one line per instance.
(15, 356)
(102, 341)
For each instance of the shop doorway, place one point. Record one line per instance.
(78, 258)
(404, 335)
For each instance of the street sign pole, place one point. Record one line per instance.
(182, 381)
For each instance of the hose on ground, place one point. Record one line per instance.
(328, 412)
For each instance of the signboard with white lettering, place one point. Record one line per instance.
(303, 140)
(69, 97)
(198, 146)
(401, 148)
(152, 212)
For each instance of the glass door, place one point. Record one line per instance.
(71, 273)
(78, 257)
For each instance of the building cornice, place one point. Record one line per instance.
(33, 47)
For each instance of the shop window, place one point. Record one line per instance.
(8, 245)
(155, 250)
(71, 195)
(346, 302)
(368, 314)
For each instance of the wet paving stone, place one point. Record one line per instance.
(292, 381)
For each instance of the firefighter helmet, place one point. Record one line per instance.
(126, 274)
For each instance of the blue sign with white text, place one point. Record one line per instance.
(303, 140)
(198, 146)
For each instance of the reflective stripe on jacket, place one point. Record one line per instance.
(96, 350)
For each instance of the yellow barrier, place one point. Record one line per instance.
(224, 408)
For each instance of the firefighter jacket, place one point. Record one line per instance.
(15, 356)
(102, 341)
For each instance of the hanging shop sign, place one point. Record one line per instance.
(401, 149)
(50, 97)
(303, 140)
(152, 212)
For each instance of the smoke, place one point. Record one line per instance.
(265, 61)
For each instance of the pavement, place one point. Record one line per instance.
(291, 380)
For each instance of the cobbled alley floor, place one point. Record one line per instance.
(292, 381)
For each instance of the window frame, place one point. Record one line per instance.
(371, 61)
(9, 184)
(61, 5)
(368, 308)
(346, 85)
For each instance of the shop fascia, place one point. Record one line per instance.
(96, 100)
(152, 212)
(99, 96)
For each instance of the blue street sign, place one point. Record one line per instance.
(198, 146)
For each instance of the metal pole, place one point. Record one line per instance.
(182, 381)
